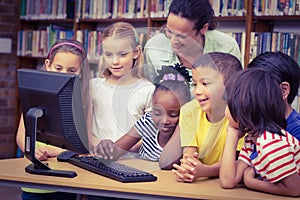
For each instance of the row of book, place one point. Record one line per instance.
(229, 7)
(37, 43)
(240, 38)
(276, 7)
(260, 7)
(92, 9)
(47, 9)
(103, 9)
(275, 41)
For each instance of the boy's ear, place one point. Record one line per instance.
(137, 52)
(285, 89)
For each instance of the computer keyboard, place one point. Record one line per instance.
(111, 169)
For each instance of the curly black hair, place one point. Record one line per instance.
(170, 69)
(175, 79)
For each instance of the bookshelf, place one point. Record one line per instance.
(83, 16)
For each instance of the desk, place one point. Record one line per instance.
(12, 173)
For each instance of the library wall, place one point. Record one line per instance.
(257, 26)
(9, 19)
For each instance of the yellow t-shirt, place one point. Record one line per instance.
(197, 131)
(32, 190)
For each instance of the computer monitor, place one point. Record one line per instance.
(52, 109)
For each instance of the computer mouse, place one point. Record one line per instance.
(66, 155)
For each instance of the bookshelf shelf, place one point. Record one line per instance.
(47, 21)
(131, 20)
(278, 18)
(231, 18)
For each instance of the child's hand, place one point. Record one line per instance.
(189, 170)
(249, 174)
(41, 153)
(105, 148)
(182, 174)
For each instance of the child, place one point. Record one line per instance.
(256, 108)
(121, 95)
(156, 127)
(288, 71)
(66, 56)
(202, 121)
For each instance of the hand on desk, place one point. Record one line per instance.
(190, 169)
(43, 152)
(105, 148)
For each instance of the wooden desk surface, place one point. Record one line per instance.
(12, 173)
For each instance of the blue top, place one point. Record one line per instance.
(293, 124)
(150, 148)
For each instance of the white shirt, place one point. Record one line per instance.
(117, 107)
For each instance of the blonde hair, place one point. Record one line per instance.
(121, 30)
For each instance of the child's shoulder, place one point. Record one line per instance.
(98, 80)
(143, 83)
(294, 116)
(273, 138)
(146, 117)
(95, 83)
(192, 105)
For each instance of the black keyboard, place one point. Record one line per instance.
(111, 169)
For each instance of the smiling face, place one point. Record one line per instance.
(165, 112)
(183, 37)
(64, 62)
(119, 56)
(208, 91)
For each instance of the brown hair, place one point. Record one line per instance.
(225, 63)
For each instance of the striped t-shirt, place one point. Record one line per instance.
(150, 148)
(274, 157)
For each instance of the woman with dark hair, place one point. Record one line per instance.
(189, 33)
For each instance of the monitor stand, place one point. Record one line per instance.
(37, 167)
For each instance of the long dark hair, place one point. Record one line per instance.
(224, 63)
(255, 101)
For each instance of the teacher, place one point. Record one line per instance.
(189, 33)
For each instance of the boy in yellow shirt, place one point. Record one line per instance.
(202, 121)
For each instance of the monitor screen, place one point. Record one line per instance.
(53, 110)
